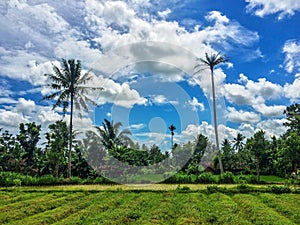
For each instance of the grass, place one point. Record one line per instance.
(145, 204)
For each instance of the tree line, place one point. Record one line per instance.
(258, 154)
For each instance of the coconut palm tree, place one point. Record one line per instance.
(69, 86)
(238, 142)
(172, 128)
(211, 62)
(112, 136)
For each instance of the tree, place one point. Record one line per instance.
(111, 135)
(292, 113)
(238, 142)
(28, 137)
(257, 145)
(69, 86)
(57, 145)
(212, 61)
(172, 128)
(228, 155)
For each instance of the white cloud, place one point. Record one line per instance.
(292, 90)
(272, 127)
(138, 126)
(9, 119)
(113, 92)
(242, 116)
(196, 105)
(164, 14)
(262, 8)
(161, 100)
(292, 55)
(217, 17)
(270, 111)
(25, 106)
(7, 100)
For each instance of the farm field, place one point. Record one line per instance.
(152, 204)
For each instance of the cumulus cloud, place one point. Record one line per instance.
(113, 92)
(291, 50)
(262, 8)
(291, 91)
(241, 116)
(196, 105)
(270, 111)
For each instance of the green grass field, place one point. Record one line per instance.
(150, 204)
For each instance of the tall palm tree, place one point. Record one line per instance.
(212, 61)
(172, 128)
(111, 135)
(69, 86)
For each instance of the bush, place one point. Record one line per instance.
(251, 179)
(279, 189)
(183, 189)
(214, 189)
(227, 178)
(206, 178)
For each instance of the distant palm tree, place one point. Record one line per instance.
(212, 61)
(69, 87)
(238, 142)
(111, 135)
(172, 128)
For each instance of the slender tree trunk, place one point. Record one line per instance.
(215, 120)
(172, 141)
(70, 138)
(257, 169)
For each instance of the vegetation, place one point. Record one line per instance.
(181, 205)
(69, 86)
(23, 154)
(211, 62)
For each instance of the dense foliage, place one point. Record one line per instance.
(258, 155)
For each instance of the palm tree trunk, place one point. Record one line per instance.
(70, 138)
(215, 120)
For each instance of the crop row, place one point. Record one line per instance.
(161, 207)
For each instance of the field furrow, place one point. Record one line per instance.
(256, 212)
(285, 204)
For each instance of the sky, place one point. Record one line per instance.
(143, 53)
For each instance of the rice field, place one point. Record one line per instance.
(153, 204)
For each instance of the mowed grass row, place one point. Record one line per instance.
(147, 207)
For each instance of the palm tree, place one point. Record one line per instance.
(212, 61)
(172, 128)
(238, 142)
(69, 88)
(111, 135)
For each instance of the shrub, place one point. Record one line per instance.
(279, 189)
(227, 178)
(47, 180)
(214, 189)
(183, 189)
(206, 178)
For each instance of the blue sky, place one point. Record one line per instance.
(143, 53)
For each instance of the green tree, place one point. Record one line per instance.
(28, 137)
(292, 113)
(57, 145)
(291, 148)
(172, 128)
(257, 145)
(238, 142)
(228, 155)
(11, 153)
(212, 61)
(111, 135)
(69, 85)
